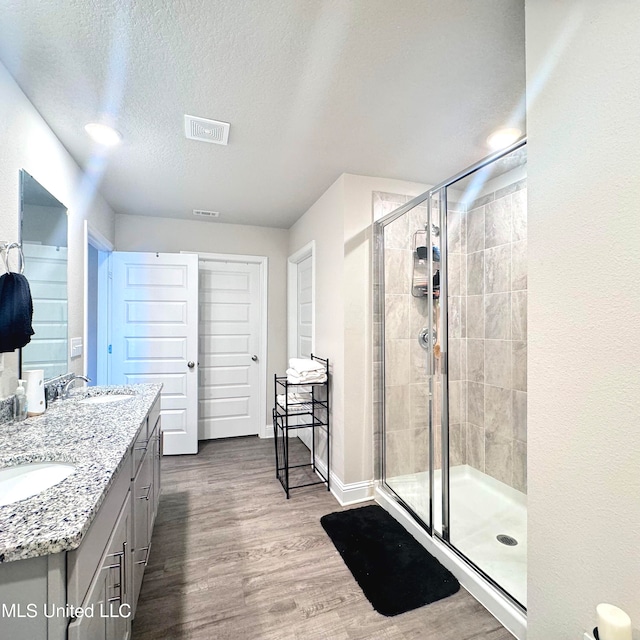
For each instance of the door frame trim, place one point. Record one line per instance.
(263, 262)
(308, 250)
(93, 237)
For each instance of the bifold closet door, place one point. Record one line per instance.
(229, 346)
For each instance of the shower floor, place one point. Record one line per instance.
(481, 509)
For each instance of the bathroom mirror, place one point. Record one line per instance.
(44, 244)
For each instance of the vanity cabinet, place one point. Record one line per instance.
(157, 458)
(117, 577)
(107, 607)
(146, 493)
(83, 562)
(90, 591)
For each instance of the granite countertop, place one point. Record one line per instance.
(95, 438)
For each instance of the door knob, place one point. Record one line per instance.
(191, 364)
(254, 358)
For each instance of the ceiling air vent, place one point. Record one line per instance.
(206, 214)
(206, 130)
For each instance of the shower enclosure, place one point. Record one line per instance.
(450, 352)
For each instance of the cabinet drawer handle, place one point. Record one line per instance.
(125, 563)
(146, 497)
(146, 558)
(120, 565)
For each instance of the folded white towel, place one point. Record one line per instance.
(303, 365)
(306, 374)
(303, 391)
(298, 395)
(296, 407)
(313, 377)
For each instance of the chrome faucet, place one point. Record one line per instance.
(67, 385)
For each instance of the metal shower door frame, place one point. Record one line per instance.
(437, 193)
(379, 308)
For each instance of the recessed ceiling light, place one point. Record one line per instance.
(103, 134)
(502, 138)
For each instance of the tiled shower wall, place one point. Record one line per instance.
(456, 282)
(487, 278)
(493, 341)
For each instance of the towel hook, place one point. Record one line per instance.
(6, 249)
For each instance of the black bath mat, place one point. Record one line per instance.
(396, 573)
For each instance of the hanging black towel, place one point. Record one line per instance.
(16, 312)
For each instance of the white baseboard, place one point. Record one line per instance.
(507, 613)
(352, 493)
(348, 494)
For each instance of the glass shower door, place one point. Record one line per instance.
(405, 347)
(439, 404)
(484, 312)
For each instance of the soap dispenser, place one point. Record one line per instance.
(20, 403)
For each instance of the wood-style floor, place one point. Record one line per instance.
(231, 558)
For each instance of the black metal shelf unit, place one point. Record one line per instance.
(286, 419)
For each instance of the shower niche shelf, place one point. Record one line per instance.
(420, 272)
(287, 414)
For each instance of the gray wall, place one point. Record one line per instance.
(583, 444)
(28, 143)
(340, 223)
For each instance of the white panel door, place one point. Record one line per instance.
(46, 269)
(229, 347)
(154, 336)
(305, 307)
(304, 326)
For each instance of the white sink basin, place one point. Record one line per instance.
(26, 480)
(105, 399)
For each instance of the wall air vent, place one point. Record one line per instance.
(206, 214)
(206, 130)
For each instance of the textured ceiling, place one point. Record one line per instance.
(312, 88)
